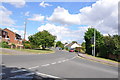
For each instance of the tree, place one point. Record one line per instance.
(88, 37)
(107, 47)
(83, 46)
(43, 38)
(116, 39)
(59, 44)
(74, 41)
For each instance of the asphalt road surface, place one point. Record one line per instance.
(60, 64)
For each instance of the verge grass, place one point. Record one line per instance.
(36, 51)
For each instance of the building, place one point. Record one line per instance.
(13, 38)
(4, 36)
(72, 46)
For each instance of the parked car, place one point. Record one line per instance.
(71, 50)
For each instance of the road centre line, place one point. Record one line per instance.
(59, 61)
(63, 60)
(53, 63)
(46, 65)
(33, 67)
(41, 65)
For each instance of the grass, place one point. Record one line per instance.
(6, 53)
(36, 51)
(103, 59)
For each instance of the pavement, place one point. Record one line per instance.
(112, 63)
(60, 65)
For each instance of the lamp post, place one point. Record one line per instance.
(94, 41)
(25, 23)
(25, 28)
(95, 36)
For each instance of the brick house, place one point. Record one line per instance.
(4, 36)
(14, 38)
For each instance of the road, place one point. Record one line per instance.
(60, 64)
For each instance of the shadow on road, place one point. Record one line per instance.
(14, 73)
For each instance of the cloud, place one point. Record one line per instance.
(62, 16)
(43, 4)
(5, 16)
(102, 10)
(37, 17)
(63, 33)
(16, 3)
(27, 13)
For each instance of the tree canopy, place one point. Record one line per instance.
(74, 41)
(43, 38)
(88, 37)
(59, 44)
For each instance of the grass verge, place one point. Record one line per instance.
(36, 51)
(6, 53)
(103, 59)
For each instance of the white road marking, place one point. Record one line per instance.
(33, 67)
(63, 61)
(46, 65)
(46, 75)
(59, 61)
(67, 59)
(53, 63)
(73, 58)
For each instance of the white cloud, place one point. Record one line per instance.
(63, 33)
(62, 16)
(43, 4)
(16, 3)
(106, 10)
(27, 13)
(5, 16)
(37, 17)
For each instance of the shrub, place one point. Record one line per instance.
(4, 44)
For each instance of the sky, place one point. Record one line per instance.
(66, 20)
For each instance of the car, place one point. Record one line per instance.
(71, 50)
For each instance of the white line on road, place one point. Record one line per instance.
(46, 65)
(66, 59)
(33, 67)
(53, 63)
(63, 61)
(59, 61)
(46, 75)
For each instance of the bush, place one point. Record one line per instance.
(4, 44)
(27, 45)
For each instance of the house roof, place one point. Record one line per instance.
(73, 45)
(9, 30)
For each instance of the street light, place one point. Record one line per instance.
(25, 23)
(93, 52)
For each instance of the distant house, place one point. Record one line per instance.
(14, 38)
(72, 46)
